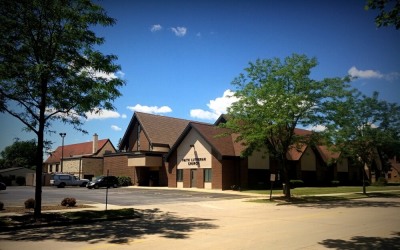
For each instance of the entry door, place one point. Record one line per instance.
(193, 178)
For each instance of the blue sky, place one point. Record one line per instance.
(179, 57)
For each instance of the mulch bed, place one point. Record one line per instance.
(22, 210)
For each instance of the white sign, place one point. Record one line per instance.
(272, 178)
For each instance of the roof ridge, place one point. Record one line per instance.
(84, 142)
(171, 117)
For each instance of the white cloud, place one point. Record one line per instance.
(179, 31)
(124, 116)
(101, 74)
(369, 74)
(217, 106)
(155, 28)
(97, 114)
(102, 114)
(318, 128)
(115, 128)
(354, 72)
(150, 109)
(120, 74)
(202, 114)
(71, 115)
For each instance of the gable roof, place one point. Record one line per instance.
(79, 149)
(295, 153)
(223, 145)
(158, 129)
(161, 129)
(227, 145)
(327, 154)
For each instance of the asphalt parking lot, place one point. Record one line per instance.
(16, 196)
(224, 223)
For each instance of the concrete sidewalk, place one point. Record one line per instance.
(230, 224)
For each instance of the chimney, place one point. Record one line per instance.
(95, 142)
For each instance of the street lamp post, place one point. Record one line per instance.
(62, 149)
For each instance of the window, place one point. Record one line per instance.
(207, 175)
(179, 175)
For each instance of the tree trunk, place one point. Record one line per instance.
(286, 180)
(39, 176)
(39, 152)
(363, 179)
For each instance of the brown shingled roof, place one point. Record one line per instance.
(295, 153)
(327, 154)
(224, 145)
(161, 129)
(75, 150)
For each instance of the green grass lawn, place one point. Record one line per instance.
(327, 190)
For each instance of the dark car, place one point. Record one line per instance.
(3, 186)
(103, 181)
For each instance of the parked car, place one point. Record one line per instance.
(62, 180)
(103, 181)
(3, 186)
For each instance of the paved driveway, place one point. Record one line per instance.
(15, 196)
(372, 223)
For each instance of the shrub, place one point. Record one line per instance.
(1, 205)
(335, 183)
(30, 203)
(296, 183)
(381, 182)
(20, 180)
(124, 181)
(68, 202)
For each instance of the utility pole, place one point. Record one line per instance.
(62, 149)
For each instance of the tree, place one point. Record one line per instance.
(274, 97)
(19, 154)
(389, 12)
(50, 68)
(363, 127)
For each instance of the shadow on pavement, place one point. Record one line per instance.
(152, 222)
(365, 243)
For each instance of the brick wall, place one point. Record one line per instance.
(107, 147)
(200, 178)
(186, 178)
(163, 177)
(171, 170)
(92, 166)
(118, 166)
(216, 173)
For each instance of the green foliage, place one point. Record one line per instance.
(50, 68)
(365, 128)
(335, 183)
(20, 180)
(381, 182)
(274, 97)
(389, 12)
(296, 183)
(68, 202)
(19, 154)
(30, 203)
(124, 181)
